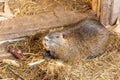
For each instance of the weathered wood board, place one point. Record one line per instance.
(26, 25)
(107, 10)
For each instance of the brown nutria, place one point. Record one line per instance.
(86, 40)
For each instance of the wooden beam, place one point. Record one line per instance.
(115, 11)
(26, 25)
(107, 10)
(94, 5)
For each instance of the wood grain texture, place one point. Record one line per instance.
(26, 25)
(107, 10)
(94, 5)
(115, 11)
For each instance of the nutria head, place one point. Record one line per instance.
(61, 45)
(54, 41)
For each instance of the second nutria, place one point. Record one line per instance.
(86, 40)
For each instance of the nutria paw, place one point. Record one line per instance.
(47, 55)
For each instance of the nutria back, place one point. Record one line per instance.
(85, 40)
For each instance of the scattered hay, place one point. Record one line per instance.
(105, 67)
(36, 7)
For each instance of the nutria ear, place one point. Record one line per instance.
(64, 35)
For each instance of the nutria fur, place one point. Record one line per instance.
(86, 40)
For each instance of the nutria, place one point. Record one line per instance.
(85, 40)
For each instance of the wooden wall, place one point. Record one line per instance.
(107, 10)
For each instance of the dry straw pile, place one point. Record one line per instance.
(33, 7)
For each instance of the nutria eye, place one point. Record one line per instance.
(46, 39)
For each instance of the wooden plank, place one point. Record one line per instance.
(22, 26)
(115, 12)
(98, 8)
(94, 5)
(105, 11)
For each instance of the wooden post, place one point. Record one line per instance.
(115, 11)
(107, 10)
(94, 5)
